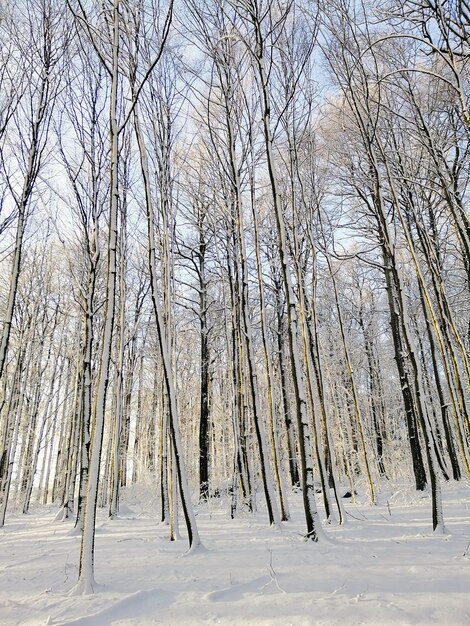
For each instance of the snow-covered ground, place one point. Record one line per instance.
(383, 567)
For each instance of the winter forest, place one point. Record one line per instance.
(234, 305)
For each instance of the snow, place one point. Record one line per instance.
(385, 566)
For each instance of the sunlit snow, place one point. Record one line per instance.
(384, 566)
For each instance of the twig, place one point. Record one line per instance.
(358, 518)
(465, 552)
(272, 572)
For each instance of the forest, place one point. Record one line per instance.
(235, 260)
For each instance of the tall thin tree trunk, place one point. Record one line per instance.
(86, 581)
(193, 535)
(312, 519)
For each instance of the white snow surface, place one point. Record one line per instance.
(385, 566)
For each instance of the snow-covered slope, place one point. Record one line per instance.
(383, 567)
